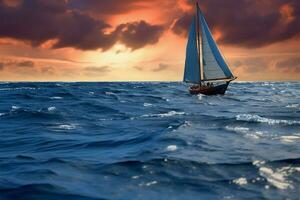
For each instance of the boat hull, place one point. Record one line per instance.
(212, 90)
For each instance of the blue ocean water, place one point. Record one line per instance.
(149, 141)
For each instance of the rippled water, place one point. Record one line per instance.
(149, 141)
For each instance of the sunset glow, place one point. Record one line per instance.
(141, 40)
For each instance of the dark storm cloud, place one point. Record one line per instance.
(37, 21)
(138, 34)
(248, 23)
(105, 6)
(182, 24)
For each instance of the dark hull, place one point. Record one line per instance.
(212, 90)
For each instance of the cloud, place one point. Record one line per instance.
(106, 7)
(96, 71)
(182, 24)
(271, 67)
(252, 65)
(139, 68)
(246, 23)
(161, 67)
(138, 34)
(289, 65)
(25, 64)
(48, 70)
(18, 64)
(39, 21)
(1, 66)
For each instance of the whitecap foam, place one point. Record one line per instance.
(276, 178)
(237, 129)
(171, 148)
(51, 109)
(200, 96)
(67, 126)
(91, 93)
(2, 114)
(293, 106)
(151, 183)
(257, 118)
(21, 88)
(240, 181)
(169, 114)
(147, 104)
(267, 84)
(56, 98)
(14, 108)
(186, 124)
(289, 138)
(166, 99)
(245, 131)
(109, 93)
(258, 163)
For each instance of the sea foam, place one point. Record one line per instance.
(169, 114)
(257, 118)
(240, 181)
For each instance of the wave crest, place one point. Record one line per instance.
(257, 118)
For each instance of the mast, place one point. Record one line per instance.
(199, 43)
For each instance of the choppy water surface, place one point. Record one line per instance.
(149, 141)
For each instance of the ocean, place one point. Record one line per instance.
(149, 141)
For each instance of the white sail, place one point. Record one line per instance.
(192, 68)
(214, 65)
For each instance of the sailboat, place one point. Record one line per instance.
(205, 67)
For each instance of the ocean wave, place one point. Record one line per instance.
(17, 112)
(15, 108)
(110, 93)
(171, 148)
(52, 109)
(257, 118)
(41, 191)
(229, 144)
(168, 114)
(96, 106)
(293, 106)
(240, 181)
(67, 126)
(147, 104)
(20, 88)
(245, 131)
(278, 177)
(56, 98)
(289, 138)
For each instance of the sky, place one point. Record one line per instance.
(144, 40)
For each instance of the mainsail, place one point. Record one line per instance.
(192, 67)
(213, 64)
